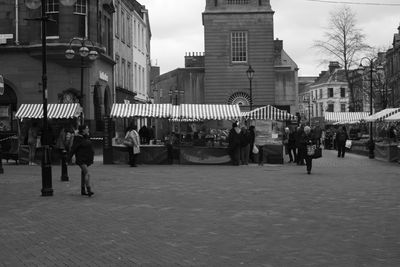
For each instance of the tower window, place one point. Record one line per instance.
(238, 2)
(239, 47)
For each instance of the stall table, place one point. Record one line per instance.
(149, 154)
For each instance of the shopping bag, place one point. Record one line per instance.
(317, 153)
(348, 144)
(255, 149)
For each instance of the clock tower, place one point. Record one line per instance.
(237, 34)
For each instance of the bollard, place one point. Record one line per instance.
(1, 162)
(64, 168)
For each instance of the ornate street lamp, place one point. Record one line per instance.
(250, 75)
(84, 51)
(379, 69)
(47, 189)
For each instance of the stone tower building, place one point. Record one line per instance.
(237, 34)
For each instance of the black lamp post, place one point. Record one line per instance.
(47, 189)
(84, 52)
(250, 75)
(379, 68)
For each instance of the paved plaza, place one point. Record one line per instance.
(346, 213)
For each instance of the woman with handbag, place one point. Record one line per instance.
(132, 140)
(83, 150)
(308, 145)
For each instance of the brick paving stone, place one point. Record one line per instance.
(346, 213)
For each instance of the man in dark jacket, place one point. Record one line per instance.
(234, 143)
(341, 138)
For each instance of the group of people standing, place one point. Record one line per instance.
(241, 142)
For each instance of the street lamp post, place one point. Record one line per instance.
(250, 75)
(379, 68)
(47, 189)
(84, 52)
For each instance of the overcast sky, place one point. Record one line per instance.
(177, 28)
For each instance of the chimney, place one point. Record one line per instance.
(333, 65)
(278, 45)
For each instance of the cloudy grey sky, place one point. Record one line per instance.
(177, 28)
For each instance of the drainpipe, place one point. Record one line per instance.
(16, 23)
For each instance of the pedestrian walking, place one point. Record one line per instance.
(134, 149)
(252, 138)
(234, 143)
(285, 141)
(292, 145)
(245, 139)
(33, 141)
(299, 147)
(341, 138)
(308, 145)
(83, 150)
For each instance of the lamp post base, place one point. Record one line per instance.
(371, 148)
(64, 168)
(47, 188)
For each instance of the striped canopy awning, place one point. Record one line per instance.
(268, 113)
(208, 112)
(394, 117)
(141, 110)
(345, 117)
(54, 111)
(382, 115)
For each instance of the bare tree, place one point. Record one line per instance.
(344, 41)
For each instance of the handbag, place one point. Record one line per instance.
(311, 150)
(317, 153)
(128, 142)
(255, 149)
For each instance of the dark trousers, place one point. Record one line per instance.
(132, 157)
(300, 155)
(235, 154)
(244, 154)
(308, 162)
(260, 155)
(341, 148)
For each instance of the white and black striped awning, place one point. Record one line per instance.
(382, 115)
(345, 117)
(208, 112)
(141, 110)
(269, 113)
(54, 111)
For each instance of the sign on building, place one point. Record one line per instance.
(1, 85)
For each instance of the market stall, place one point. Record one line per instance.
(190, 138)
(203, 142)
(59, 116)
(269, 123)
(153, 153)
(386, 146)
